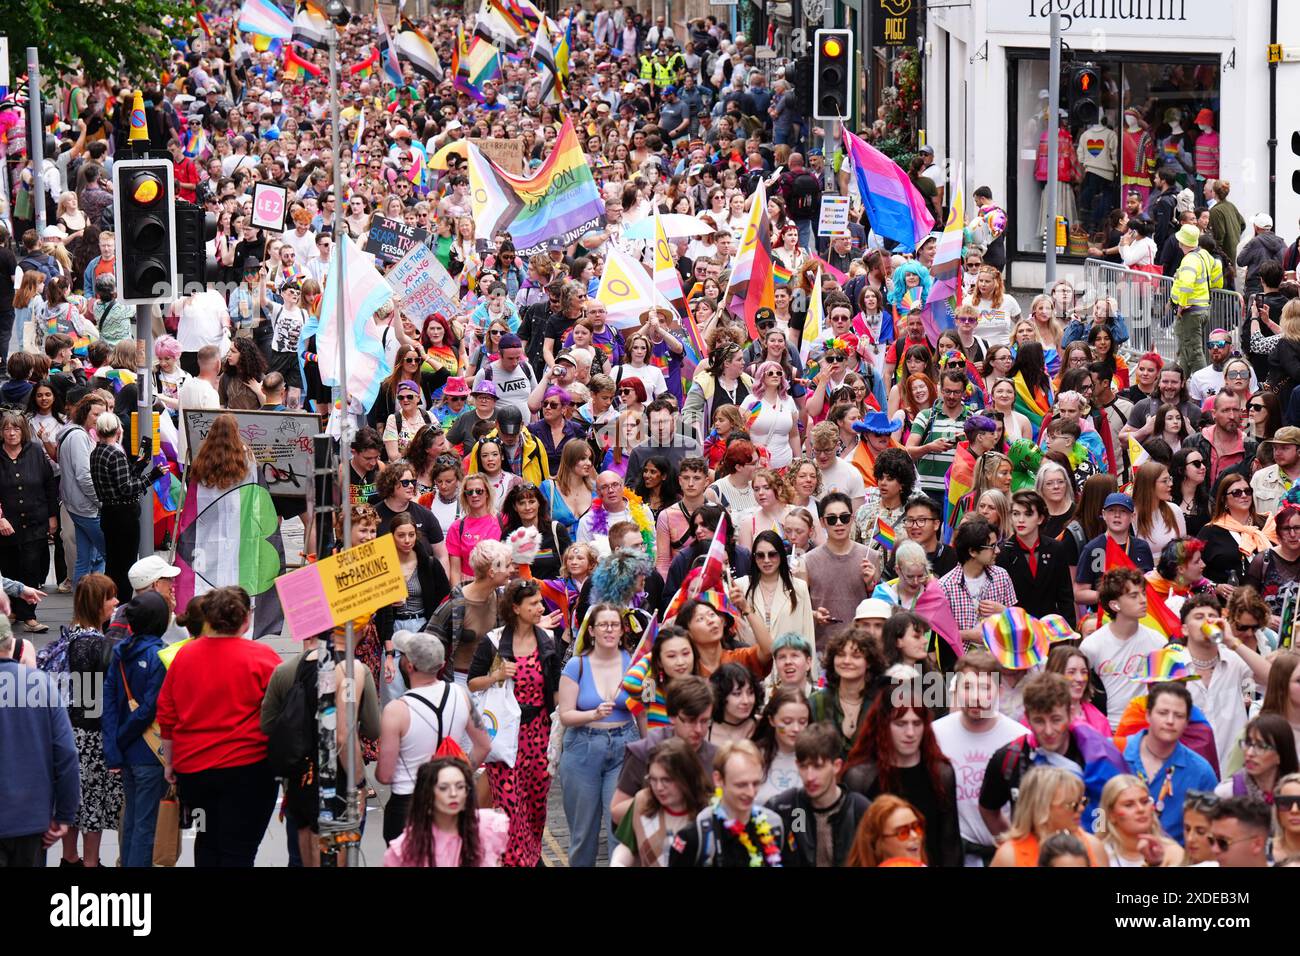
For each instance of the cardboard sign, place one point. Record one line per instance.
(350, 584)
(424, 285)
(270, 206)
(506, 153)
(280, 441)
(390, 239)
(834, 217)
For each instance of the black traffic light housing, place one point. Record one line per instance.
(1295, 176)
(802, 79)
(1085, 94)
(194, 230)
(144, 217)
(832, 74)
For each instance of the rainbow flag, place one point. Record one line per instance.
(460, 68)
(297, 67)
(947, 256)
(751, 284)
(118, 378)
(1033, 406)
(483, 63)
(559, 202)
(959, 482)
(265, 19)
(1159, 617)
(894, 206)
(780, 273)
(752, 417)
(885, 535)
(637, 666)
(195, 142)
(560, 594)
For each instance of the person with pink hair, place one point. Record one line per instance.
(168, 376)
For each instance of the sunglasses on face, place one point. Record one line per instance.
(842, 517)
(406, 398)
(1219, 344)
(1255, 407)
(1222, 844)
(1287, 804)
(908, 830)
(1195, 463)
(1240, 493)
(406, 482)
(474, 492)
(1238, 374)
(766, 555)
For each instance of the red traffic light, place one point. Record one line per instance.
(1085, 82)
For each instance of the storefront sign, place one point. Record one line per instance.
(390, 239)
(350, 584)
(894, 22)
(1103, 18)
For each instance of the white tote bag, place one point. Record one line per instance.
(501, 713)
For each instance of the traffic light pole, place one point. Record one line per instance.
(1053, 147)
(36, 136)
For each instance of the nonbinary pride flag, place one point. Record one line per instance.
(894, 206)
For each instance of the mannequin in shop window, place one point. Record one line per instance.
(1137, 156)
(1067, 174)
(1174, 148)
(1207, 147)
(1098, 153)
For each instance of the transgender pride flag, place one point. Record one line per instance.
(365, 292)
(894, 207)
(265, 19)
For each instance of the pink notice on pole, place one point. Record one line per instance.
(306, 609)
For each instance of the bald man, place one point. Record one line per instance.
(609, 486)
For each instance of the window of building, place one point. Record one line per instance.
(1146, 114)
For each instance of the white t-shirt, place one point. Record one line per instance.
(445, 512)
(304, 246)
(194, 393)
(202, 321)
(782, 775)
(513, 387)
(970, 753)
(772, 428)
(1116, 661)
(842, 476)
(648, 375)
(995, 324)
(1220, 699)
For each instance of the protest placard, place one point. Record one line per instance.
(353, 583)
(424, 285)
(390, 239)
(281, 443)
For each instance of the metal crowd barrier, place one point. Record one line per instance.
(1143, 300)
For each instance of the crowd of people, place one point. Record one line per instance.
(999, 593)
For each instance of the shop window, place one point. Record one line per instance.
(1147, 116)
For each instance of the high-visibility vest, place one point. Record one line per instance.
(1198, 273)
(647, 68)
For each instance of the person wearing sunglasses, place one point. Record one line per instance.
(840, 573)
(1209, 380)
(409, 417)
(1233, 537)
(1239, 832)
(426, 589)
(477, 523)
(1051, 801)
(977, 588)
(1286, 822)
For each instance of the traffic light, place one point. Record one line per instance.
(803, 84)
(144, 215)
(1295, 176)
(832, 74)
(194, 230)
(1085, 95)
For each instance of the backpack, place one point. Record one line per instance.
(447, 746)
(53, 657)
(804, 193)
(291, 743)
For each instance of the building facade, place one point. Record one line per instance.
(1179, 83)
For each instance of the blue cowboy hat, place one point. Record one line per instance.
(878, 423)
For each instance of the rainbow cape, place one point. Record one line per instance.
(1033, 406)
(958, 483)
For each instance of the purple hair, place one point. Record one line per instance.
(761, 372)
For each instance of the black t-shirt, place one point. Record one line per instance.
(425, 522)
(1007, 765)
(462, 431)
(557, 327)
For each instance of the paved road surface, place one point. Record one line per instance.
(56, 610)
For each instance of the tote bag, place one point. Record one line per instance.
(501, 711)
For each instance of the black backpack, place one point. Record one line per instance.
(291, 743)
(805, 192)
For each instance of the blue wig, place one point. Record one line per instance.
(615, 579)
(899, 283)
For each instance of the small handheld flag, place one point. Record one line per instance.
(885, 535)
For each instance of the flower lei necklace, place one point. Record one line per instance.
(767, 853)
(639, 513)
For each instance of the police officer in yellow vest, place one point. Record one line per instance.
(663, 73)
(1198, 273)
(647, 68)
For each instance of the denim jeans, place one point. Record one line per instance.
(589, 769)
(145, 787)
(90, 547)
(807, 234)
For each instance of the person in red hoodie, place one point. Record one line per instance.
(209, 713)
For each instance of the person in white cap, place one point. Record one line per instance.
(1263, 245)
(150, 573)
(872, 614)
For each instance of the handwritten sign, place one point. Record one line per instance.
(424, 285)
(280, 441)
(506, 153)
(834, 218)
(350, 584)
(270, 206)
(390, 239)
